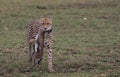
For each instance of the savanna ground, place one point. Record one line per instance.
(86, 37)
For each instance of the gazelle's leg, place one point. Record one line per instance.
(38, 55)
(33, 55)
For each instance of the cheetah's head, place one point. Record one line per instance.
(46, 23)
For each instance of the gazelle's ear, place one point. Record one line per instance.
(50, 17)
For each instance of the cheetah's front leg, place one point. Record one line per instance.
(50, 65)
(49, 48)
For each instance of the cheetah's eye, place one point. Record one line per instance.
(47, 23)
(42, 23)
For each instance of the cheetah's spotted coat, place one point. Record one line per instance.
(39, 36)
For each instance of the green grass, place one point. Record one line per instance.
(86, 37)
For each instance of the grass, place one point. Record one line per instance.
(86, 37)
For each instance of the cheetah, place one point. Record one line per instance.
(39, 36)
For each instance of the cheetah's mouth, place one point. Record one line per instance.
(46, 30)
(49, 30)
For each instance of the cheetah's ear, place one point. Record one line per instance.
(41, 16)
(50, 17)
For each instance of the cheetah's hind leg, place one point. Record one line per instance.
(31, 49)
(30, 55)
